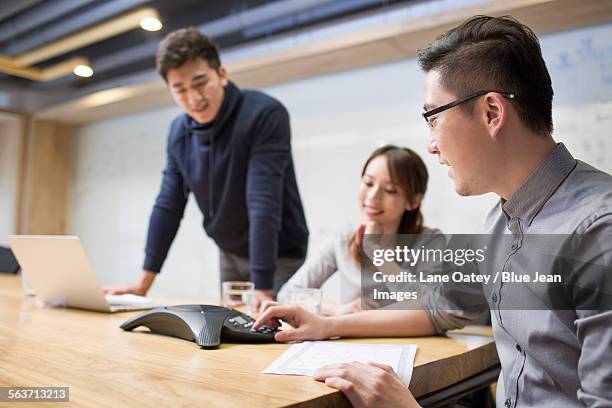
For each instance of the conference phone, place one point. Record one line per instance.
(206, 325)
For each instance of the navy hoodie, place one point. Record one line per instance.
(240, 170)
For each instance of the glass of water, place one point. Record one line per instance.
(308, 298)
(237, 293)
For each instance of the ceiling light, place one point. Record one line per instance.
(84, 71)
(150, 24)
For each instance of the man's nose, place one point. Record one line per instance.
(433, 147)
(194, 97)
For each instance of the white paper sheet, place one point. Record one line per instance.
(305, 358)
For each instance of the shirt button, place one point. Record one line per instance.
(519, 348)
(494, 298)
(508, 403)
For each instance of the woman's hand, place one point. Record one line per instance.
(369, 228)
(368, 246)
(342, 308)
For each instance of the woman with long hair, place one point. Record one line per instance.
(393, 184)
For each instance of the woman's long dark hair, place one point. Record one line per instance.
(408, 171)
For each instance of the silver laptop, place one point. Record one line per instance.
(60, 274)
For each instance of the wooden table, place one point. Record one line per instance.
(107, 367)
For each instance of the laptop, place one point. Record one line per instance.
(60, 274)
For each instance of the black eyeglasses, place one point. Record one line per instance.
(507, 95)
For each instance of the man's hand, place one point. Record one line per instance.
(141, 288)
(367, 385)
(136, 289)
(306, 326)
(266, 304)
(260, 296)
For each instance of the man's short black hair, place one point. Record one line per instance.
(181, 46)
(496, 53)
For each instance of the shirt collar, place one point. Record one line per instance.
(535, 191)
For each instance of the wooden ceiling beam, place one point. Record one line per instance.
(392, 42)
(100, 32)
(46, 74)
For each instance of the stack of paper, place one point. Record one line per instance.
(305, 358)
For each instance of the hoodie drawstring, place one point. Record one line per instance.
(211, 168)
(187, 157)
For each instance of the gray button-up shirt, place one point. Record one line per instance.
(559, 356)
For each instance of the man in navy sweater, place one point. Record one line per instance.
(231, 149)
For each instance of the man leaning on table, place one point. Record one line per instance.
(231, 148)
(488, 102)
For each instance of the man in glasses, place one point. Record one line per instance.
(488, 104)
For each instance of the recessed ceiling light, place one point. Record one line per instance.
(84, 71)
(150, 24)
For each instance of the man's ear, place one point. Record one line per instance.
(495, 113)
(415, 202)
(223, 75)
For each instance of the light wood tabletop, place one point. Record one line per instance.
(107, 367)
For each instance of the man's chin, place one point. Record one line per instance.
(203, 120)
(463, 190)
(469, 191)
(464, 193)
(203, 117)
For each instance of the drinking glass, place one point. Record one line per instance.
(308, 298)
